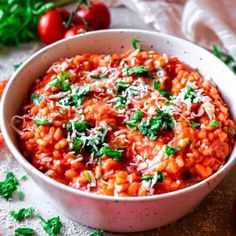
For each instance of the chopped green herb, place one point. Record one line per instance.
(134, 42)
(121, 86)
(22, 214)
(190, 93)
(120, 102)
(42, 121)
(148, 178)
(52, 226)
(138, 70)
(24, 232)
(36, 98)
(167, 103)
(155, 124)
(21, 196)
(163, 93)
(24, 178)
(16, 66)
(98, 77)
(77, 145)
(79, 126)
(195, 125)
(214, 123)
(169, 150)
(97, 233)
(8, 186)
(60, 82)
(114, 153)
(135, 119)
(216, 51)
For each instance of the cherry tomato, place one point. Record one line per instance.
(51, 27)
(97, 15)
(78, 29)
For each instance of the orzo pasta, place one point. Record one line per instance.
(132, 124)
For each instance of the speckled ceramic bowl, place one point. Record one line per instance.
(124, 214)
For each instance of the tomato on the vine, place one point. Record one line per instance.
(51, 27)
(97, 15)
(78, 29)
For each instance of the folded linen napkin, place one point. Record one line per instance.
(204, 22)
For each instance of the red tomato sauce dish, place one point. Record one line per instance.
(132, 124)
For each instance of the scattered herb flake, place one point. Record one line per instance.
(135, 42)
(16, 66)
(163, 93)
(87, 176)
(169, 150)
(138, 70)
(77, 145)
(98, 77)
(36, 98)
(8, 186)
(42, 121)
(24, 178)
(195, 125)
(96, 233)
(24, 232)
(22, 214)
(79, 126)
(214, 123)
(60, 82)
(21, 196)
(113, 153)
(52, 226)
(190, 94)
(121, 86)
(120, 102)
(135, 119)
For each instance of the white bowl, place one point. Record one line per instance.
(123, 214)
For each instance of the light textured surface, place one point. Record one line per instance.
(212, 217)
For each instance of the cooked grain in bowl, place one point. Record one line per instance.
(132, 124)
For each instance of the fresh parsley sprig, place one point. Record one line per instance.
(22, 214)
(8, 186)
(136, 44)
(51, 226)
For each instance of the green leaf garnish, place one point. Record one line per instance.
(138, 70)
(135, 119)
(79, 126)
(24, 232)
(36, 98)
(77, 145)
(163, 93)
(156, 124)
(97, 233)
(120, 102)
(8, 186)
(21, 196)
(98, 77)
(22, 214)
(169, 150)
(52, 226)
(167, 103)
(42, 121)
(195, 125)
(60, 82)
(114, 153)
(135, 42)
(214, 123)
(24, 178)
(148, 178)
(121, 86)
(190, 93)
(87, 176)
(16, 66)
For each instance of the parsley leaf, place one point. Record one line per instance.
(163, 93)
(190, 94)
(97, 233)
(42, 121)
(135, 119)
(120, 102)
(22, 214)
(24, 232)
(195, 125)
(134, 42)
(169, 150)
(121, 86)
(77, 145)
(36, 98)
(52, 226)
(60, 82)
(8, 186)
(159, 178)
(24, 178)
(155, 124)
(79, 126)
(138, 70)
(21, 196)
(16, 66)
(87, 175)
(114, 153)
(214, 123)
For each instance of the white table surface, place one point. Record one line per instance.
(212, 217)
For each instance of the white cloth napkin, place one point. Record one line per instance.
(204, 22)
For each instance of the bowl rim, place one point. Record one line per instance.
(30, 168)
